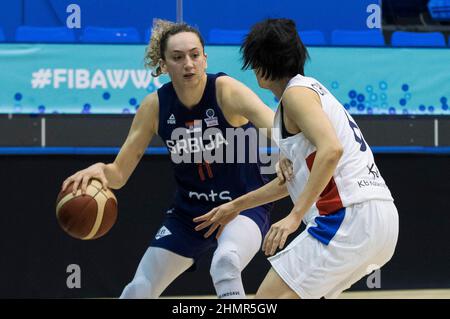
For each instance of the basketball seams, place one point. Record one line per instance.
(90, 216)
(101, 198)
(101, 203)
(96, 184)
(91, 191)
(69, 227)
(69, 196)
(109, 217)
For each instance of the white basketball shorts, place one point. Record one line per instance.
(361, 239)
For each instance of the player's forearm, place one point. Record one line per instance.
(266, 194)
(128, 158)
(322, 171)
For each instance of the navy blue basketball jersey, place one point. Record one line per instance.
(202, 184)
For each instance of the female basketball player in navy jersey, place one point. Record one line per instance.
(337, 189)
(192, 102)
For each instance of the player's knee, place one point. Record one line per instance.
(139, 288)
(225, 265)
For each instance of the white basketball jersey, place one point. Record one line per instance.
(356, 178)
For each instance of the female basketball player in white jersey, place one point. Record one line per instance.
(337, 190)
(191, 99)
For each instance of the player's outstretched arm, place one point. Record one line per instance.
(144, 126)
(222, 215)
(116, 174)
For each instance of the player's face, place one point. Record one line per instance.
(185, 61)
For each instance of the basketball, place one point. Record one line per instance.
(86, 217)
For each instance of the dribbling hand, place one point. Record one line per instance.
(84, 176)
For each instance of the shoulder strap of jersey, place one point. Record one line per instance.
(166, 96)
(308, 82)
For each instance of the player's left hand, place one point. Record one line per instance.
(278, 233)
(217, 217)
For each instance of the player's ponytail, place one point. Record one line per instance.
(153, 52)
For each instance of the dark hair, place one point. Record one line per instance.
(161, 32)
(273, 47)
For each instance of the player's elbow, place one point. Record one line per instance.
(331, 153)
(335, 152)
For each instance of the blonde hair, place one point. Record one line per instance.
(153, 54)
(161, 31)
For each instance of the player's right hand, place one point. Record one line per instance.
(82, 178)
(284, 170)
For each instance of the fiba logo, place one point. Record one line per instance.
(210, 113)
(211, 120)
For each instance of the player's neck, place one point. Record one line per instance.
(278, 87)
(190, 96)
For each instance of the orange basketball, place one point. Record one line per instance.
(86, 217)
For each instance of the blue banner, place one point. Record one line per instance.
(110, 79)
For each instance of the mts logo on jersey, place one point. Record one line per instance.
(190, 140)
(211, 196)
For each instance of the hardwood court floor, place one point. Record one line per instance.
(380, 294)
(398, 294)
